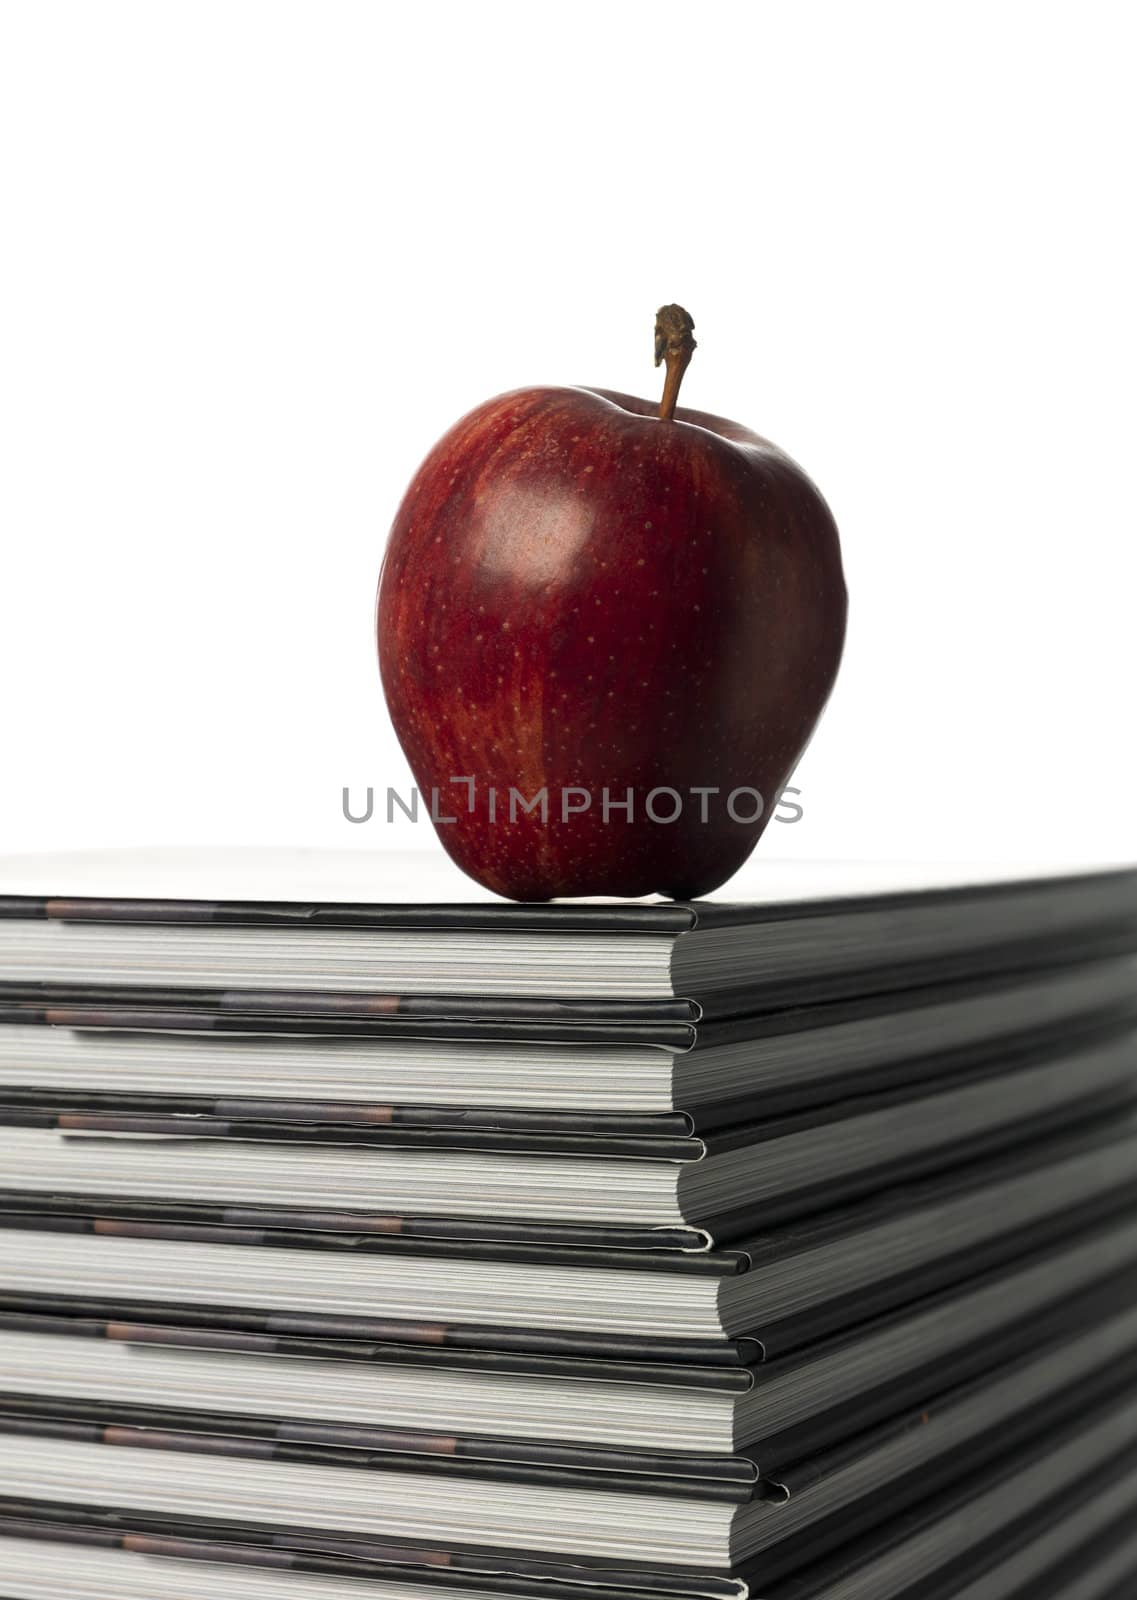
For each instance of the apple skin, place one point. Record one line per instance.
(579, 594)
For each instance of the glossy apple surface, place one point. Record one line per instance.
(580, 595)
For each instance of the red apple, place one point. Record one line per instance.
(600, 598)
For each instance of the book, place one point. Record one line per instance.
(439, 1053)
(368, 1240)
(770, 1292)
(78, 1379)
(1078, 1468)
(719, 1182)
(777, 1410)
(811, 929)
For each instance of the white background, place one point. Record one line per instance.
(256, 257)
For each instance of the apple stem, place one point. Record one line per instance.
(675, 344)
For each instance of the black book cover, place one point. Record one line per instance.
(1111, 1383)
(1109, 1553)
(802, 1576)
(806, 1575)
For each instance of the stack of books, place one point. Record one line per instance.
(355, 1247)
